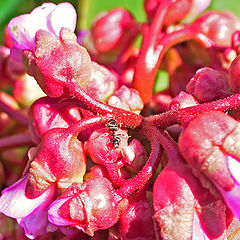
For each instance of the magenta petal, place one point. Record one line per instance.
(16, 52)
(22, 31)
(36, 223)
(232, 199)
(53, 213)
(14, 203)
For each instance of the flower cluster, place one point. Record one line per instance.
(98, 152)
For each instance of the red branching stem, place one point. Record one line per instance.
(124, 118)
(16, 114)
(185, 115)
(17, 140)
(150, 167)
(149, 52)
(148, 64)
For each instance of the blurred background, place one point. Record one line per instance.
(88, 9)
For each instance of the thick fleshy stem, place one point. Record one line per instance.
(185, 115)
(16, 114)
(17, 140)
(124, 118)
(150, 51)
(150, 167)
(150, 60)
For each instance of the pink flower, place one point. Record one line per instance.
(89, 206)
(48, 17)
(232, 197)
(30, 213)
(126, 98)
(215, 152)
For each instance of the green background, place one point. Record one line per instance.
(87, 9)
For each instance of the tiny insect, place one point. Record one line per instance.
(113, 127)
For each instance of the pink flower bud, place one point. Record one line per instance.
(47, 113)
(160, 102)
(234, 79)
(208, 85)
(202, 142)
(178, 10)
(57, 63)
(127, 99)
(110, 30)
(135, 155)
(26, 90)
(96, 171)
(88, 206)
(210, 143)
(59, 160)
(218, 26)
(100, 148)
(135, 221)
(184, 209)
(102, 83)
(182, 100)
(236, 41)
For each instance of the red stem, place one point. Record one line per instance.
(150, 58)
(149, 52)
(14, 113)
(124, 118)
(150, 167)
(185, 115)
(15, 141)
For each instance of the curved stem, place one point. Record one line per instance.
(149, 53)
(14, 113)
(148, 64)
(150, 167)
(185, 115)
(124, 118)
(17, 140)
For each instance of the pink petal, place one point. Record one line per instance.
(16, 52)
(232, 199)
(53, 213)
(14, 203)
(44, 10)
(22, 30)
(64, 15)
(36, 223)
